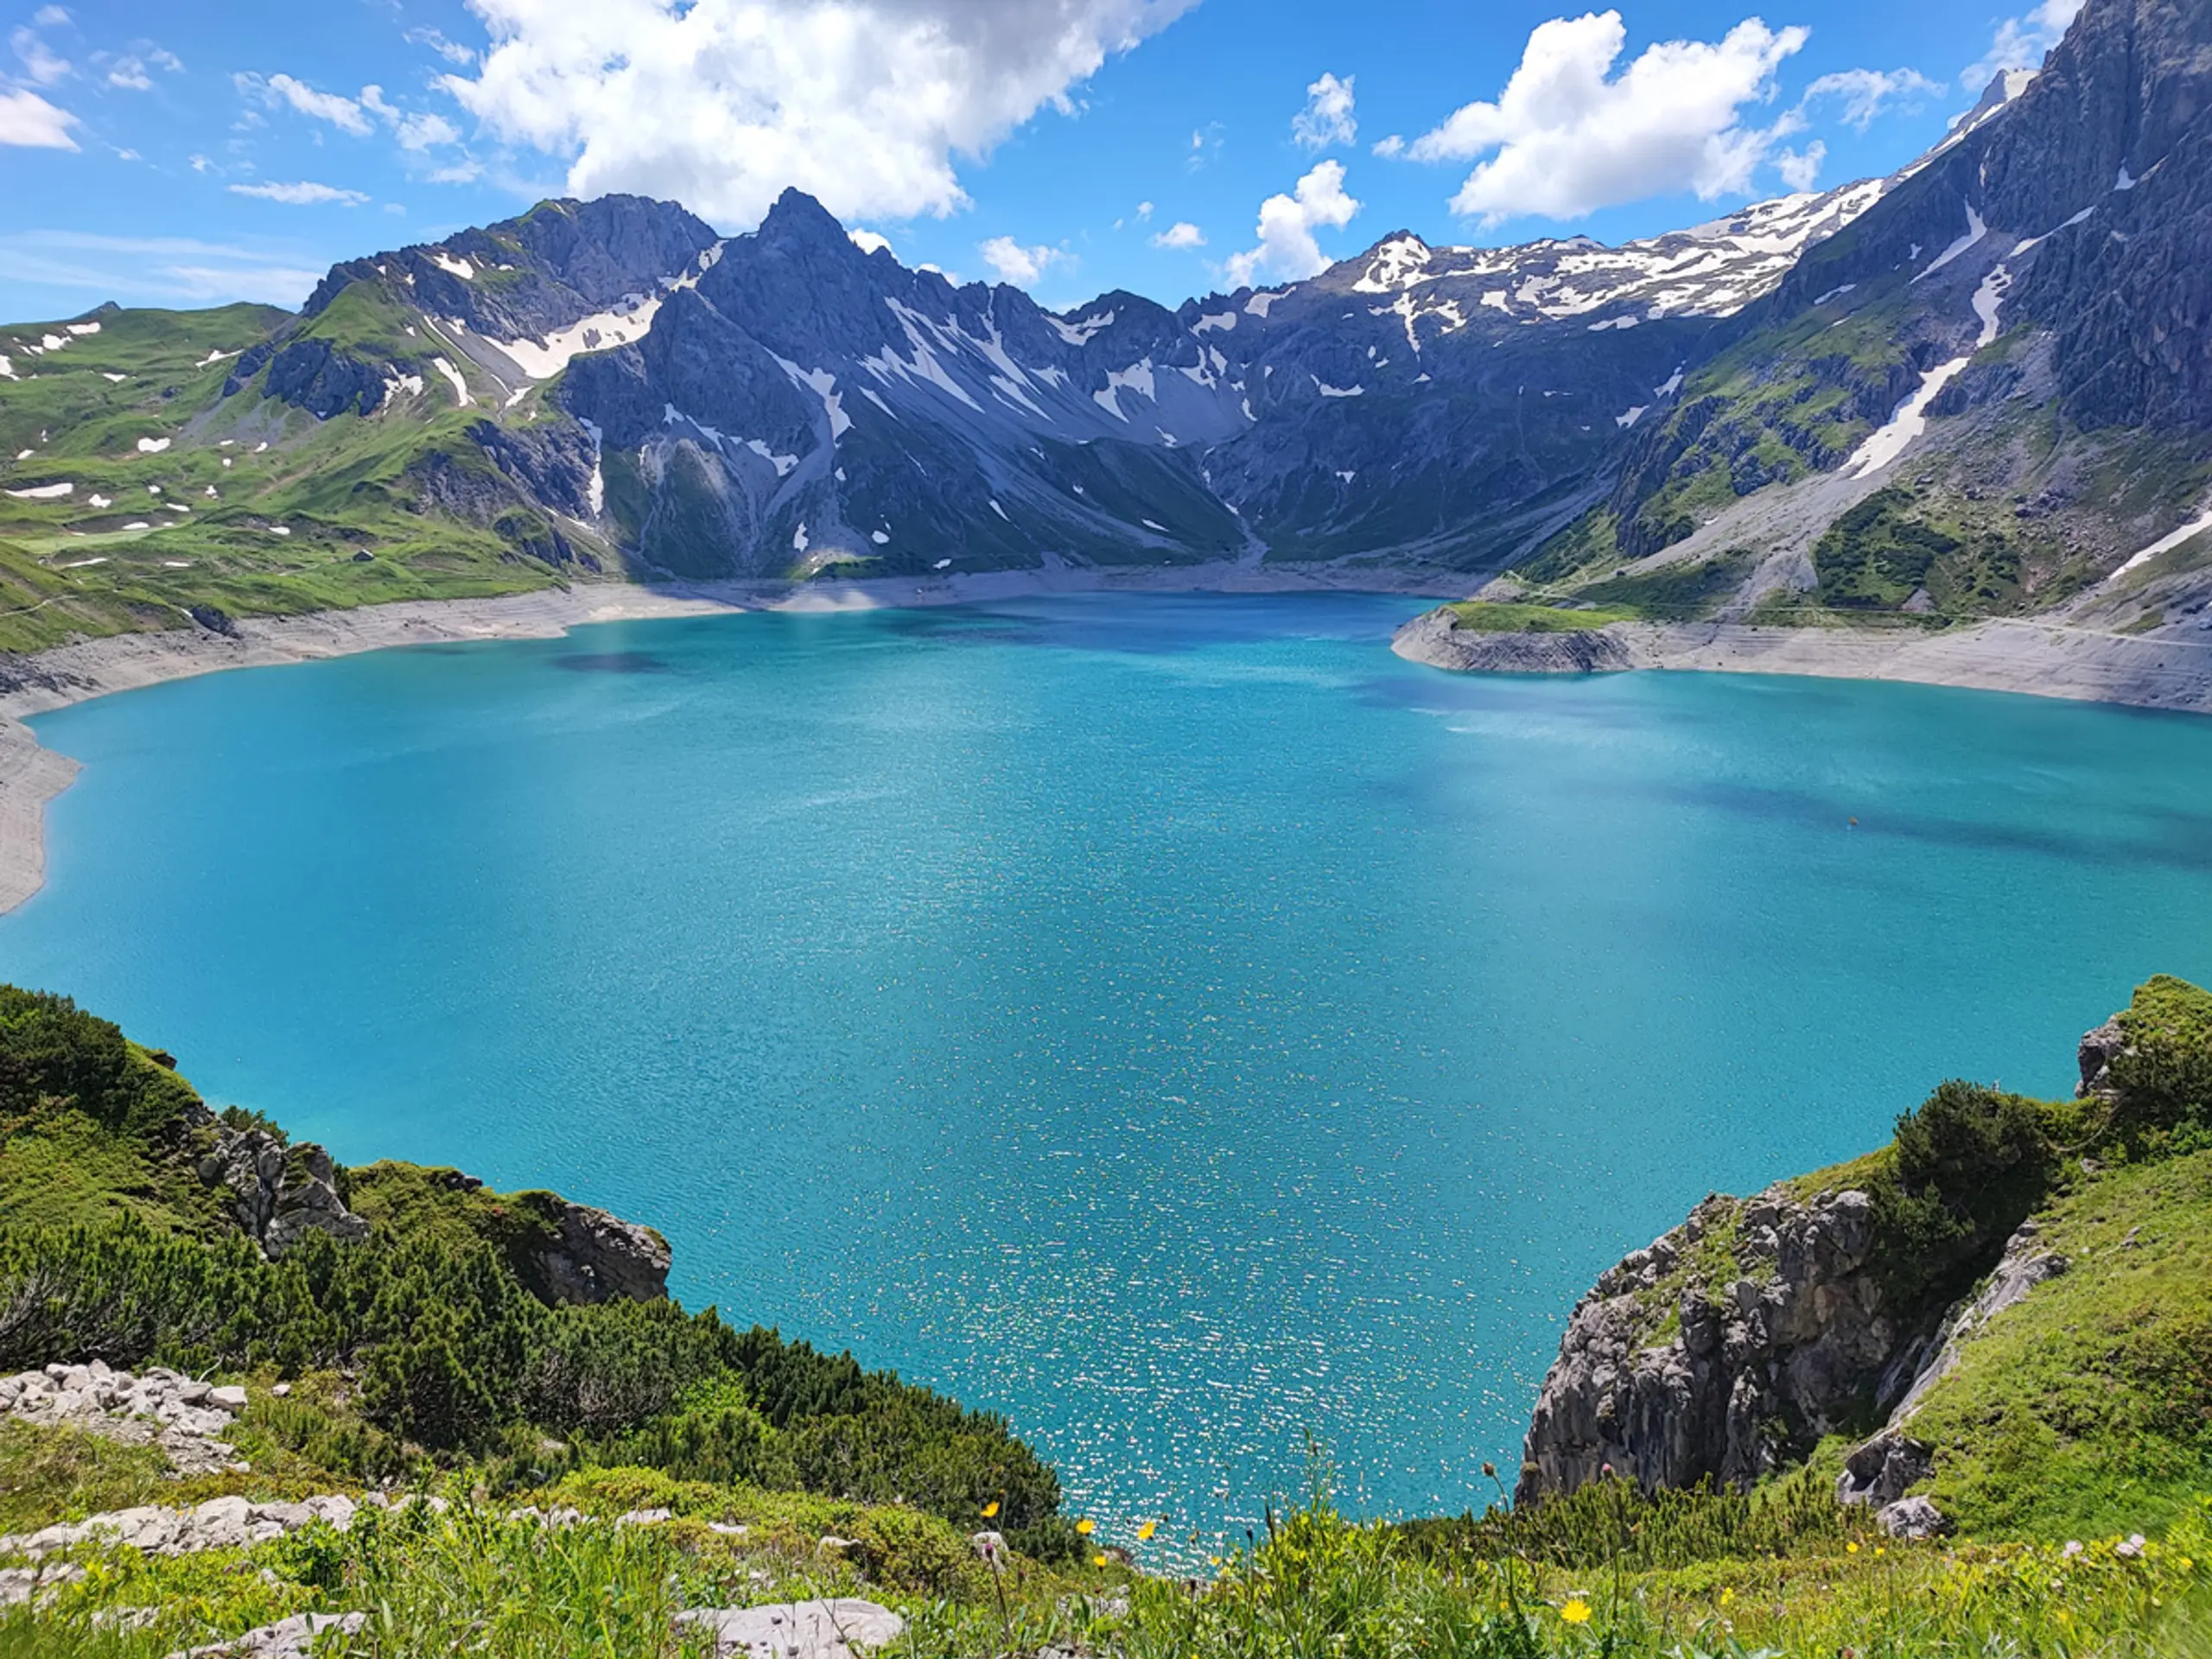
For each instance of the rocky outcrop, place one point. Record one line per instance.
(324, 380)
(1878, 1472)
(1432, 638)
(842, 1629)
(184, 1418)
(592, 1256)
(295, 1637)
(279, 1192)
(1723, 1351)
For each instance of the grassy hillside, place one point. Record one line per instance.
(179, 498)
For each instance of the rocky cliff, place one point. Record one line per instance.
(1841, 1303)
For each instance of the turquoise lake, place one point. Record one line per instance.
(1173, 1021)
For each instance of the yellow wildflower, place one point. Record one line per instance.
(1148, 1530)
(991, 1509)
(1851, 1549)
(1099, 1559)
(1086, 1526)
(1576, 1611)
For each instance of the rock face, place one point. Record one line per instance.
(595, 1257)
(1721, 1352)
(1729, 1346)
(279, 1192)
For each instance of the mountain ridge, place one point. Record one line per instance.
(1953, 394)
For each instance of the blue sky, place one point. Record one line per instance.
(192, 154)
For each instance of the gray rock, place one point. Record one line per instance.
(279, 1193)
(1757, 1370)
(1912, 1517)
(287, 1639)
(597, 1257)
(842, 1629)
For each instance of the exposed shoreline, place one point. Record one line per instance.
(31, 774)
(2042, 659)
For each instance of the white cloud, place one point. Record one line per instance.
(1800, 169)
(721, 103)
(1144, 210)
(130, 74)
(2020, 43)
(1864, 92)
(414, 131)
(50, 16)
(1326, 120)
(1181, 234)
(202, 164)
(303, 194)
(44, 68)
(341, 111)
(1569, 140)
(29, 122)
(1287, 250)
(1015, 264)
(451, 51)
(869, 241)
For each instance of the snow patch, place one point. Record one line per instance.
(137, 524)
(1672, 385)
(215, 356)
(453, 378)
(798, 539)
(1888, 441)
(998, 510)
(80, 329)
(100, 501)
(1988, 299)
(113, 379)
(1328, 391)
(45, 492)
(1078, 334)
(783, 464)
(153, 446)
(1631, 418)
(2166, 543)
(544, 357)
(1258, 304)
(7, 369)
(946, 564)
(823, 384)
(1835, 293)
(2125, 182)
(1976, 229)
(1223, 320)
(879, 538)
(446, 262)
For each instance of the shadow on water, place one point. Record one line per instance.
(2181, 841)
(613, 662)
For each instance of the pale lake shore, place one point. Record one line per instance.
(2044, 659)
(2038, 658)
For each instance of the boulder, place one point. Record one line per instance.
(842, 1629)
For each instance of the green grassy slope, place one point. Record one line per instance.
(180, 498)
